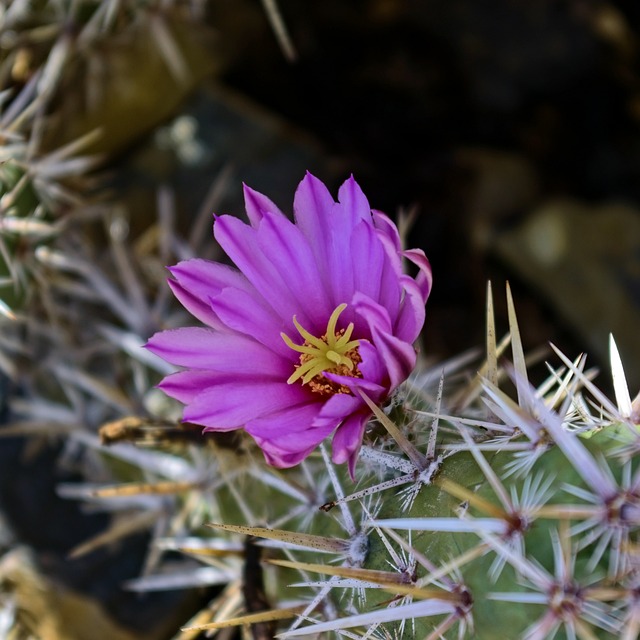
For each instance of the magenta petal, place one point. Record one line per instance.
(313, 206)
(390, 290)
(354, 203)
(319, 219)
(347, 441)
(371, 313)
(186, 385)
(335, 410)
(197, 280)
(367, 260)
(203, 278)
(384, 224)
(425, 278)
(412, 313)
(201, 348)
(372, 368)
(374, 390)
(398, 356)
(286, 424)
(232, 405)
(196, 307)
(329, 226)
(257, 204)
(282, 459)
(289, 431)
(240, 242)
(288, 250)
(240, 311)
(340, 269)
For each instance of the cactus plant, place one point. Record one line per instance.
(481, 506)
(475, 503)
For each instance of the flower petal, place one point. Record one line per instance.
(231, 405)
(283, 459)
(240, 311)
(371, 313)
(202, 348)
(337, 408)
(355, 206)
(196, 307)
(312, 206)
(288, 250)
(184, 386)
(412, 312)
(240, 242)
(286, 437)
(398, 356)
(385, 225)
(374, 390)
(203, 278)
(424, 279)
(347, 440)
(367, 260)
(256, 204)
(327, 227)
(285, 423)
(197, 280)
(372, 368)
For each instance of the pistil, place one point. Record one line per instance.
(334, 352)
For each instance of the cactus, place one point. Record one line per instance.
(482, 505)
(488, 509)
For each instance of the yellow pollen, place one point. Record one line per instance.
(334, 352)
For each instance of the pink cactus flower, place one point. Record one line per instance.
(318, 313)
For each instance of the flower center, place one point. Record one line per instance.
(334, 352)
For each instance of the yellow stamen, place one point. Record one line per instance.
(334, 352)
